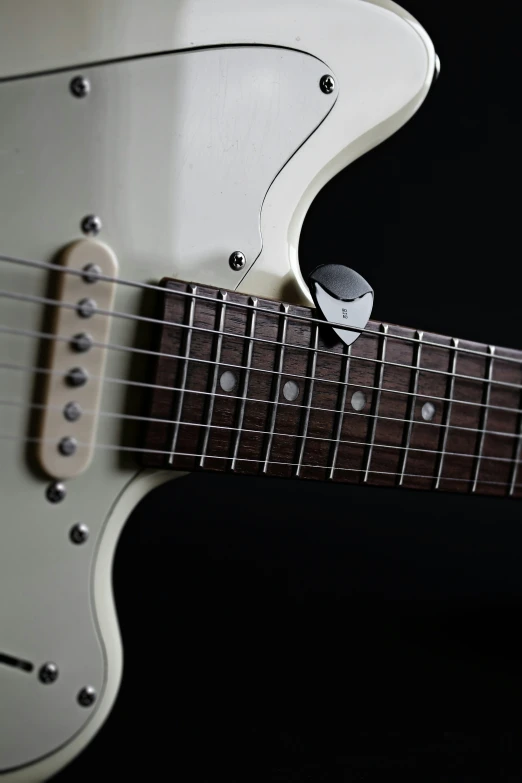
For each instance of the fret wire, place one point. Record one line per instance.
(384, 330)
(183, 380)
(276, 383)
(484, 415)
(345, 371)
(518, 459)
(246, 379)
(447, 413)
(411, 408)
(173, 292)
(135, 449)
(222, 295)
(306, 413)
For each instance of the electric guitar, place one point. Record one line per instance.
(157, 161)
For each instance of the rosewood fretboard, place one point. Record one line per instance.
(373, 413)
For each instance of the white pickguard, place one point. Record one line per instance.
(190, 145)
(207, 132)
(262, 139)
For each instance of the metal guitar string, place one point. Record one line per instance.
(513, 461)
(132, 349)
(110, 447)
(156, 321)
(240, 367)
(307, 319)
(39, 406)
(472, 455)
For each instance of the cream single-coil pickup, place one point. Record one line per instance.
(73, 385)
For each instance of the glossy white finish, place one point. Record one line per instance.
(175, 153)
(385, 67)
(52, 34)
(58, 605)
(383, 59)
(139, 486)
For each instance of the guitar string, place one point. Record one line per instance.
(238, 398)
(239, 367)
(111, 447)
(131, 349)
(241, 305)
(102, 345)
(296, 436)
(141, 384)
(143, 351)
(159, 322)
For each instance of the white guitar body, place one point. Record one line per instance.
(205, 131)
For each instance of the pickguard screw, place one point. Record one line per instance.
(48, 673)
(87, 696)
(327, 84)
(56, 492)
(80, 86)
(237, 260)
(76, 377)
(67, 446)
(91, 272)
(72, 411)
(79, 534)
(91, 225)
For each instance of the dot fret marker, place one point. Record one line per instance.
(358, 401)
(291, 391)
(428, 411)
(228, 381)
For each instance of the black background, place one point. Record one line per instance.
(286, 631)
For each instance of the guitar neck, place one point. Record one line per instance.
(254, 386)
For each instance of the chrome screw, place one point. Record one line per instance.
(56, 492)
(87, 696)
(72, 411)
(237, 260)
(91, 225)
(80, 86)
(79, 534)
(48, 673)
(327, 84)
